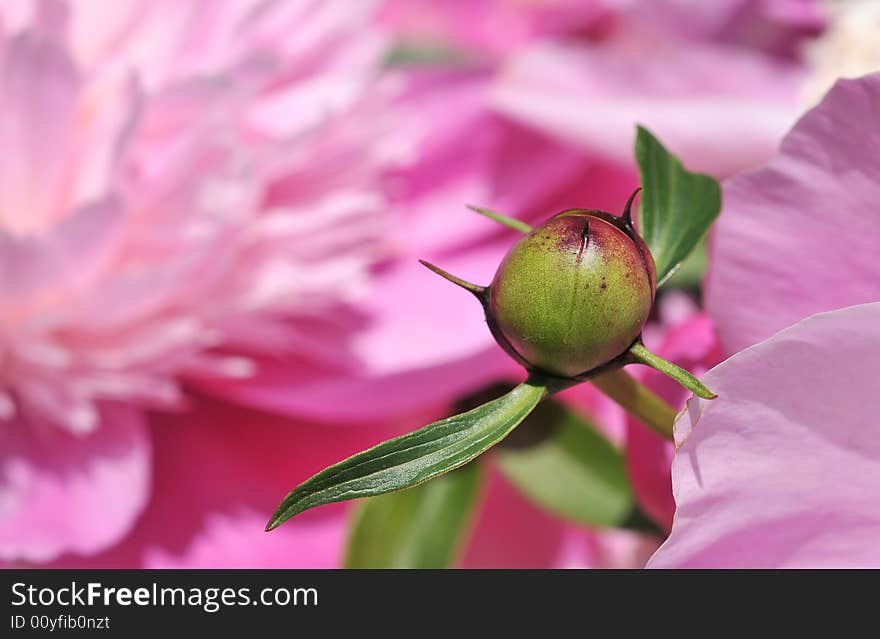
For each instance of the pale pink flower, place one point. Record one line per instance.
(140, 485)
(173, 187)
(782, 469)
(849, 48)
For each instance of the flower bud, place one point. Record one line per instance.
(574, 293)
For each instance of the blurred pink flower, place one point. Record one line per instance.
(494, 28)
(770, 473)
(172, 187)
(217, 195)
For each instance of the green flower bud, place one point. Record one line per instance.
(574, 293)
(571, 298)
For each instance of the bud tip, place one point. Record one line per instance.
(627, 210)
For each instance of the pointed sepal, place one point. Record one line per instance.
(509, 222)
(642, 355)
(476, 289)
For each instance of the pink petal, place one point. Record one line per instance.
(39, 85)
(696, 98)
(799, 236)
(61, 493)
(783, 469)
(108, 112)
(219, 473)
(37, 272)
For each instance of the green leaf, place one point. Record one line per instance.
(409, 460)
(558, 460)
(422, 527)
(677, 206)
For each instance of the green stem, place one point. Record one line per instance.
(637, 400)
(643, 356)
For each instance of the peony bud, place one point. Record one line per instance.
(571, 298)
(574, 293)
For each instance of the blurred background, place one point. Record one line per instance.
(211, 214)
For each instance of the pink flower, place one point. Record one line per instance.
(782, 470)
(221, 267)
(172, 189)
